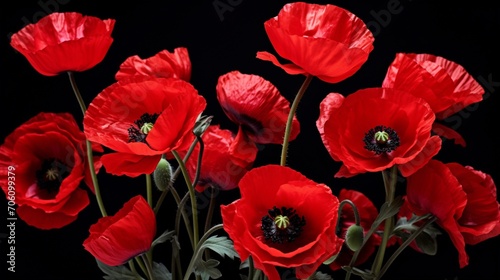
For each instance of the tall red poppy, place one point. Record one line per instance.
(140, 119)
(367, 214)
(225, 159)
(321, 40)
(48, 153)
(462, 199)
(64, 42)
(114, 240)
(444, 84)
(374, 129)
(256, 105)
(283, 219)
(163, 64)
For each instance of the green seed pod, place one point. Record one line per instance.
(354, 237)
(163, 175)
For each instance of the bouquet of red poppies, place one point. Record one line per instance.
(152, 122)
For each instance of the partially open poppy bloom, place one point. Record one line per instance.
(64, 42)
(367, 215)
(444, 84)
(225, 159)
(114, 240)
(325, 41)
(462, 199)
(283, 219)
(257, 106)
(163, 64)
(48, 153)
(140, 119)
(374, 129)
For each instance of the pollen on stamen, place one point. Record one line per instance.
(282, 225)
(381, 140)
(141, 127)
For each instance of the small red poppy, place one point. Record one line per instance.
(114, 240)
(225, 159)
(257, 106)
(321, 40)
(463, 201)
(64, 42)
(48, 154)
(283, 219)
(367, 214)
(444, 84)
(141, 118)
(163, 64)
(374, 129)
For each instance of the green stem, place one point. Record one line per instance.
(90, 156)
(390, 188)
(357, 219)
(149, 190)
(192, 195)
(148, 265)
(293, 109)
(141, 265)
(197, 252)
(404, 245)
(210, 213)
(178, 215)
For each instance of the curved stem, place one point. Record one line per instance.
(293, 109)
(192, 195)
(357, 219)
(404, 245)
(90, 156)
(149, 268)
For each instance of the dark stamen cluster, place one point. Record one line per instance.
(281, 235)
(51, 174)
(134, 131)
(381, 147)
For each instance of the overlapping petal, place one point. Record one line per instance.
(64, 42)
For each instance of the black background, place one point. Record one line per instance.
(466, 33)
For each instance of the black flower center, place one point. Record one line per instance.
(141, 127)
(381, 140)
(282, 225)
(51, 174)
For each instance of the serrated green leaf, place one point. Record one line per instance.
(167, 235)
(160, 272)
(245, 264)
(120, 272)
(221, 245)
(207, 269)
(389, 210)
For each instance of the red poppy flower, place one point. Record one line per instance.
(163, 64)
(463, 201)
(225, 159)
(321, 40)
(367, 214)
(141, 118)
(64, 42)
(445, 85)
(114, 240)
(374, 129)
(283, 219)
(257, 106)
(48, 153)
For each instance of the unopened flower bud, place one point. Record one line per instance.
(354, 237)
(163, 175)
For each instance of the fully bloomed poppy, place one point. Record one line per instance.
(62, 42)
(444, 84)
(283, 219)
(48, 154)
(462, 199)
(367, 215)
(114, 240)
(225, 159)
(256, 105)
(140, 119)
(325, 41)
(375, 128)
(163, 64)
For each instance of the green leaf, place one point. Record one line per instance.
(321, 276)
(201, 125)
(120, 272)
(221, 245)
(167, 235)
(245, 264)
(207, 269)
(160, 272)
(427, 243)
(389, 210)
(330, 260)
